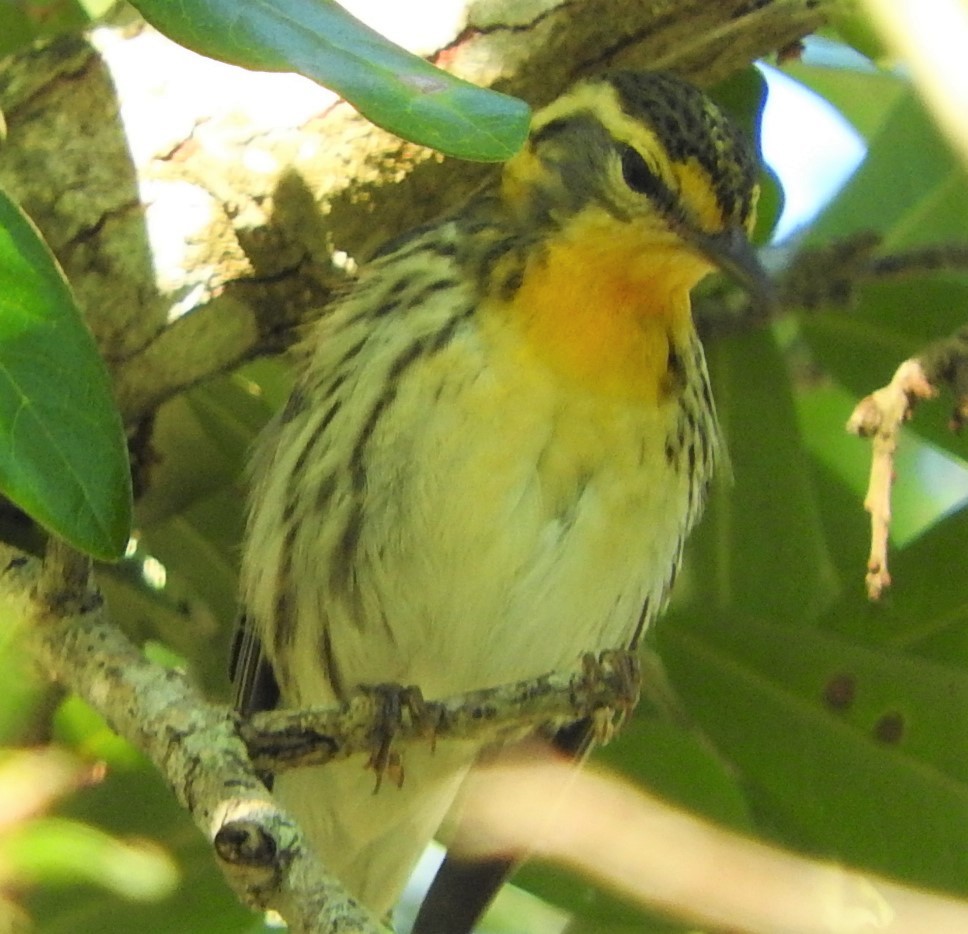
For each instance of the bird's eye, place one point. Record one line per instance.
(637, 174)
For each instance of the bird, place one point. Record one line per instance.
(497, 441)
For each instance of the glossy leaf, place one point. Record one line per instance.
(396, 90)
(63, 456)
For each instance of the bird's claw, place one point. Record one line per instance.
(395, 704)
(620, 670)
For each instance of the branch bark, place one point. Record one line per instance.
(194, 745)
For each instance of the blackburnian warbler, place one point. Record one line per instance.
(497, 443)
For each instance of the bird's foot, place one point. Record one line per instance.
(395, 705)
(621, 671)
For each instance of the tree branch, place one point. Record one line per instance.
(194, 744)
(823, 278)
(285, 739)
(213, 762)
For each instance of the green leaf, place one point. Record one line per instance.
(762, 540)
(396, 90)
(914, 192)
(135, 803)
(193, 517)
(859, 753)
(911, 187)
(865, 97)
(673, 763)
(26, 20)
(55, 850)
(927, 610)
(78, 726)
(63, 456)
(677, 764)
(929, 482)
(853, 24)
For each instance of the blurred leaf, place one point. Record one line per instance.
(63, 455)
(743, 95)
(929, 481)
(927, 611)
(25, 20)
(137, 803)
(853, 25)
(892, 321)
(515, 910)
(396, 90)
(52, 850)
(678, 765)
(32, 780)
(865, 97)
(593, 910)
(207, 434)
(769, 207)
(910, 187)
(16, 30)
(672, 762)
(79, 727)
(761, 541)
(23, 685)
(856, 750)
(191, 521)
(913, 191)
(198, 549)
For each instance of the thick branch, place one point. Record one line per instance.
(193, 744)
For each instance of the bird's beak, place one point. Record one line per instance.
(733, 253)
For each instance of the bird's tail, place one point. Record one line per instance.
(368, 839)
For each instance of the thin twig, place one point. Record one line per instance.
(879, 416)
(823, 278)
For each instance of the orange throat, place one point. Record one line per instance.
(603, 311)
